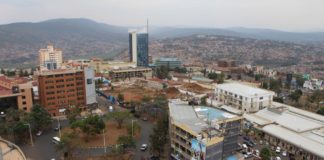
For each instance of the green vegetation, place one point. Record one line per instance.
(180, 70)
(68, 144)
(14, 125)
(321, 111)
(299, 80)
(120, 97)
(127, 141)
(163, 72)
(159, 137)
(90, 126)
(265, 154)
(296, 95)
(119, 117)
(203, 100)
(216, 77)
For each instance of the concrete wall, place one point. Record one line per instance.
(90, 86)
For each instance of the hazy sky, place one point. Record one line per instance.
(289, 15)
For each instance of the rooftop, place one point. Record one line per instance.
(57, 71)
(293, 125)
(244, 90)
(195, 118)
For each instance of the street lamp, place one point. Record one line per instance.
(30, 134)
(104, 139)
(59, 126)
(133, 127)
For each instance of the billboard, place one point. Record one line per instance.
(199, 150)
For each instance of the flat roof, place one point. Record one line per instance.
(303, 142)
(58, 71)
(244, 90)
(195, 117)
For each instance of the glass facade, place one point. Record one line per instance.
(142, 49)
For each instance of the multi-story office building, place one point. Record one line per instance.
(61, 89)
(130, 72)
(198, 132)
(139, 48)
(50, 58)
(242, 97)
(168, 62)
(15, 93)
(298, 132)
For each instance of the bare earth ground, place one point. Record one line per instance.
(131, 93)
(111, 135)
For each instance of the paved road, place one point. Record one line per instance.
(43, 148)
(146, 130)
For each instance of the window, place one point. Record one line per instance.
(23, 97)
(261, 98)
(60, 80)
(89, 81)
(24, 102)
(22, 90)
(25, 108)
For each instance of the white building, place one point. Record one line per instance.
(243, 97)
(90, 86)
(314, 84)
(299, 132)
(50, 58)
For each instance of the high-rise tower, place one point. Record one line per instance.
(138, 47)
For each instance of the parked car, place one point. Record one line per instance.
(57, 128)
(284, 153)
(39, 133)
(257, 152)
(278, 158)
(244, 146)
(278, 150)
(246, 138)
(144, 147)
(144, 118)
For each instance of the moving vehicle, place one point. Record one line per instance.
(39, 133)
(144, 147)
(56, 140)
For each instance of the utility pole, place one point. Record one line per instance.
(133, 127)
(30, 134)
(104, 139)
(59, 126)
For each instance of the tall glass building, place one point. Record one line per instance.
(138, 48)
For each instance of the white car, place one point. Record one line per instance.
(39, 133)
(144, 147)
(284, 153)
(278, 150)
(244, 146)
(257, 152)
(278, 158)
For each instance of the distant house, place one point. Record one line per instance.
(314, 84)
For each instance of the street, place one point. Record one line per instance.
(43, 148)
(146, 130)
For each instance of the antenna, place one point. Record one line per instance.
(147, 25)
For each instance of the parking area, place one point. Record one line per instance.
(251, 149)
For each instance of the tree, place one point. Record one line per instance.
(299, 80)
(26, 73)
(275, 85)
(68, 144)
(321, 111)
(2, 71)
(127, 141)
(91, 125)
(40, 117)
(296, 95)
(21, 73)
(120, 97)
(72, 114)
(162, 72)
(265, 154)
(203, 100)
(212, 76)
(278, 99)
(159, 137)
(146, 99)
(119, 117)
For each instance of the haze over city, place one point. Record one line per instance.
(287, 15)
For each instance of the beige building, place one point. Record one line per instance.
(15, 92)
(243, 98)
(124, 73)
(50, 58)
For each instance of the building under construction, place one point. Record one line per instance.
(202, 133)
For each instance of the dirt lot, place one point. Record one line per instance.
(193, 87)
(111, 134)
(131, 93)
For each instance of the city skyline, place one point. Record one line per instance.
(288, 15)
